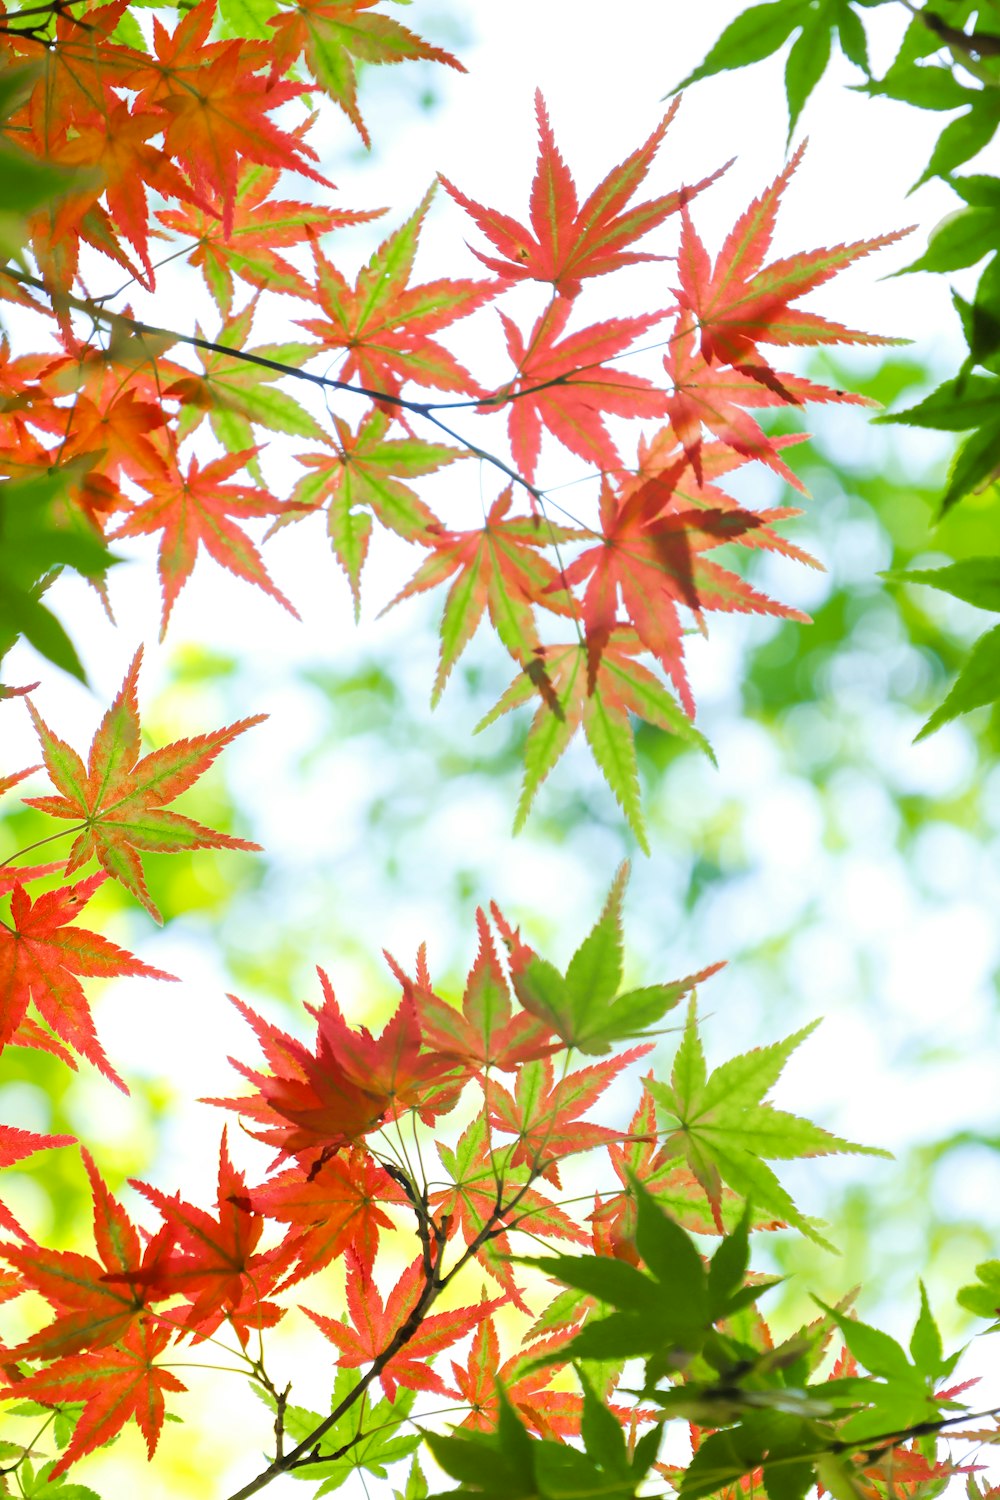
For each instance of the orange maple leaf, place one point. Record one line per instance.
(567, 242)
(117, 799)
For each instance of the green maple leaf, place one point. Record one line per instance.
(584, 1007)
(720, 1123)
(358, 478)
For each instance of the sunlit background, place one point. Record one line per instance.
(842, 870)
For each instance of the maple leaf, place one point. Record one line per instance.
(686, 488)
(560, 676)
(715, 396)
(261, 226)
(385, 325)
(566, 386)
(324, 1100)
(525, 1385)
(215, 1266)
(525, 1381)
(114, 1384)
(335, 33)
(544, 1113)
(584, 1007)
(208, 130)
(238, 392)
(195, 509)
(497, 568)
(375, 1324)
(96, 1302)
(740, 302)
(720, 1125)
(40, 958)
(115, 142)
(113, 431)
(119, 798)
(642, 1157)
(359, 479)
(474, 1201)
(15, 1145)
(332, 1209)
(651, 554)
(486, 1033)
(6, 782)
(565, 242)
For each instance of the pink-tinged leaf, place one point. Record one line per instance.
(196, 509)
(565, 242)
(384, 325)
(741, 302)
(566, 385)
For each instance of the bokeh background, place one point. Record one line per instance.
(842, 870)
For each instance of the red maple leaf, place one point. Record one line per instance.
(715, 395)
(6, 782)
(375, 1324)
(497, 567)
(553, 1414)
(114, 1384)
(485, 1033)
(208, 129)
(15, 1145)
(384, 325)
(114, 142)
(332, 1208)
(118, 799)
(566, 386)
(565, 242)
(96, 1302)
(739, 302)
(40, 958)
(545, 1113)
(195, 510)
(215, 1265)
(659, 458)
(317, 1102)
(652, 554)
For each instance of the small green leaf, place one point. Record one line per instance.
(728, 1267)
(976, 580)
(976, 685)
(955, 406)
(851, 30)
(962, 239)
(754, 35)
(925, 1341)
(983, 1297)
(806, 64)
(963, 138)
(877, 1351)
(601, 1431)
